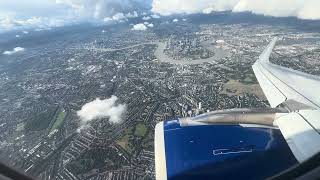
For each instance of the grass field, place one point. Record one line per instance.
(140, 130)
(124, 143)
(59, 120)
(241, 88)
(124, 140)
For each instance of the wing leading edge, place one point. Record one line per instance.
(300, 93)
(282, 85)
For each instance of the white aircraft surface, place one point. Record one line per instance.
(300, 94)
(206, 146)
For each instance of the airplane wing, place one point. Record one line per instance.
(240, 143)
(298, 92)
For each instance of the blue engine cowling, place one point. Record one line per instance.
(219, 152)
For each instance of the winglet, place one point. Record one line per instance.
(264, 57)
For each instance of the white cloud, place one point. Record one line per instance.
(107, 19)
(134, 14)
(15, 50)
(300, 8)
(146, 18)
(100, 9)
(208, 10)
(45, 14)
(120, 17)
(150, 25)
(155, 16)
(20, 15)
(106, 108)
(139, 27)
(11, 23)
(42, 14)
(304, 9)
(168, 7)
(175, 20)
